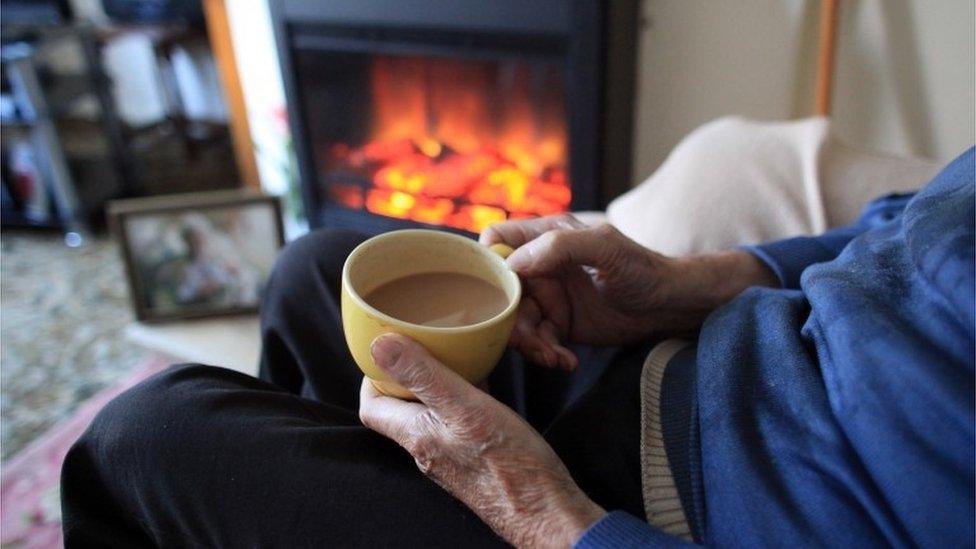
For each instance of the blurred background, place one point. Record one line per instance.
(376, 115)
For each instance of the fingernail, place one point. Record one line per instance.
(386, 350)
(518, 258)
(550, 358)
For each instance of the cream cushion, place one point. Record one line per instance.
(737, 181)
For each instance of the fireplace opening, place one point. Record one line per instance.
(456, 114)
(461, 143)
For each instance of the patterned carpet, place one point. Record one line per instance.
(63, 312)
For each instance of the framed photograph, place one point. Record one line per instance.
(197, 254)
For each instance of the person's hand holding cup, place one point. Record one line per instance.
(454, 297)
(422, 330)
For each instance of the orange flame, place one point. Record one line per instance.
(459, 143)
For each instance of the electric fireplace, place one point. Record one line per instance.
(456, 114)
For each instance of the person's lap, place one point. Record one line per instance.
(209, 456)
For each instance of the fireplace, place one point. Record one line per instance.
(456, 114)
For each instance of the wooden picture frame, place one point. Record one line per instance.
(186, 246)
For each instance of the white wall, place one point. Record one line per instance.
(264, 98)
(264, 95)
(904, 79)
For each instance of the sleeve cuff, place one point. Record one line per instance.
(619, 529)
(788, 258)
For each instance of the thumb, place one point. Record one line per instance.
(412, 367)
(558, 249)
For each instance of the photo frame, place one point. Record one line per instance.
(197, 255)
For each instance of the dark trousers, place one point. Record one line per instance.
(205, 456)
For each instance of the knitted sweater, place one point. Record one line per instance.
(837, 410)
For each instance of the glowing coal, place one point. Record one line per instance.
(458, 143)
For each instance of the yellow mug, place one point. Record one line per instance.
(471, 351)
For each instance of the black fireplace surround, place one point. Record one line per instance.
(589, 44)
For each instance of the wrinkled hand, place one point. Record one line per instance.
(594, 285)
(476, 448)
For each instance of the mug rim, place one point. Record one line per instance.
(354, 294)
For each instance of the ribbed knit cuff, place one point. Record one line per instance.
(788, 258)
(662, 503)
(680, 430)
(619, 529)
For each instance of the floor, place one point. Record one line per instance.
(63, 315)
(64, 310)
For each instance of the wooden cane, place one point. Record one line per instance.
(825, 57)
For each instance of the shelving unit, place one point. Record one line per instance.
(40, 101)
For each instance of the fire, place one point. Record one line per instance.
(458, 143)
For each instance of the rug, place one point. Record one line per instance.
(30, 504)
(64, 313)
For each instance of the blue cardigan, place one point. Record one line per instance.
(839, 410)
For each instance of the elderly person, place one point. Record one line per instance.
(828, 400)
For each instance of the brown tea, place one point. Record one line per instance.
(441, 300)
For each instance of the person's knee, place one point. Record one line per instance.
(311, 257)
(145, 419)
(152, 432)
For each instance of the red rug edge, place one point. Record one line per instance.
(35, 470)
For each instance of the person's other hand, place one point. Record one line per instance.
(476, 448)
(594, 285)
